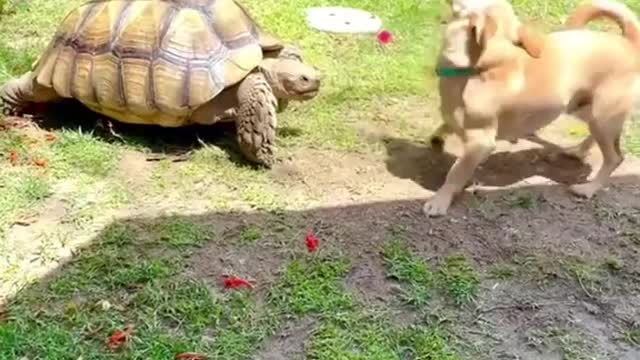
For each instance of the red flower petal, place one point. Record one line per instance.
(312, 241)
(40, 162)
(50, 137)
(385, 37)
(120, 337)
(233, 282)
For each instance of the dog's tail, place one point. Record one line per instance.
(622, 15)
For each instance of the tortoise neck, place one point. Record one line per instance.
(272, 79)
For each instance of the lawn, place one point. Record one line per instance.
(137, 229)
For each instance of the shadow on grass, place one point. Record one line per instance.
(159, 141)
(163, 274)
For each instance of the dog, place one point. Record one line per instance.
(454, 62)
(512, 91)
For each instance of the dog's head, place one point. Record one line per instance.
(457, 47)
(499, 22)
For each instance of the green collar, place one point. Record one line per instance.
(453, 72)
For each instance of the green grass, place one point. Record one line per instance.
(76, 152)
(528, 200)
(76, 163)
(140, 271)
(632, 336)
(250, 235)
(459, 278)
(410, 270)
(502, 271)
(182, 234)
(21, 191)
(364, 336)
(24, 186)
(312, 287)
(454, 276)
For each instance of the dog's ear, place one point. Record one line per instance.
(530, 40)
(483, 27)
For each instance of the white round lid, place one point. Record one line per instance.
(340, 19)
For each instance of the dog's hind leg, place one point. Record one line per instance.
(478, 145)
(609, 114)
(608, 139)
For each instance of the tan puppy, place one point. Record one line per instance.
(454, 64)
(594, 76)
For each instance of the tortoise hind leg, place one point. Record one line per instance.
(17, 93)
(256, 120)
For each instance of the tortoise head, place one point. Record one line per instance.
(289, 77)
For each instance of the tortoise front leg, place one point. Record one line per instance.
(256, 120)
(17, 93)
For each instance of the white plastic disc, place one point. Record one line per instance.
(339, 19)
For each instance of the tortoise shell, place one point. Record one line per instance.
(151, 61)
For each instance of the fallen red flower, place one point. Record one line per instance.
(385, 37)
(313, 243)
(190, 356)
(50, 137)
(13, 158)
(40, 162)
(235, 282)
(120, 337)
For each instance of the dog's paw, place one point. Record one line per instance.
(583, 190)
(436, 206)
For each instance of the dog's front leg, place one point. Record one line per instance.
(478, 145)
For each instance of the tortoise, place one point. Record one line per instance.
(170, 63)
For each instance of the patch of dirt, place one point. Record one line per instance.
(256, 264)
(33, 243)
(134, 169)
(260, 262)
(368, 280)
(327, 178)
(289, 343)
(523, 322)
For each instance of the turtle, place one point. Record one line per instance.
(171, 63)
